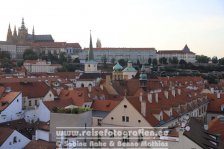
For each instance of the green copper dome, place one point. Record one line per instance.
(117, 67)
(129, 69)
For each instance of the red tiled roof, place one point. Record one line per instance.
(40, 144)
(29, 89)
(216, 126)
(215, 103)
(104, 105)
(4, 134)
(58, 103)
(7, 99)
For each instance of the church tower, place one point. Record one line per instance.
(143, 78)
(98, 43)
(33, 34)
(15, 35)
(90, 64)
(9, 35)
(23, 33)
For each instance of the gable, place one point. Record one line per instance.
(127, 110)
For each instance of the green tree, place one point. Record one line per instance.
(122, 62)
(6, 63)
(162, 60)
(182, 63)
(76, 60)
(221, 61)
(4, 54)
(215, 60)
(62, 59)
(154, 62)
(29, 54)
(202, 59)
(149, 60)
(174, 60)
(113, 61)
(104, 60)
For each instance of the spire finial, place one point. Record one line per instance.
(90, 54)
(33, 32)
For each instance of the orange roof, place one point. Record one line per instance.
(4, 134)
(104, 105)
(29, 89)
(216, 126)
(7, 99)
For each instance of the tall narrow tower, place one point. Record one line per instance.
(9, 35)
(90, 64)
(98, 43)
(33, 34)
(15, 35)
(90, 52)
(22, 33)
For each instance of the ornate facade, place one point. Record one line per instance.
(23, 37)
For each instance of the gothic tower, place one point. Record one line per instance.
(98, 43)
(15, 35)
(9, 35)
(23, 33)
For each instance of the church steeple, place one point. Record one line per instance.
(9, 34)
(15, 35)
(33, 33)
(90, 52)
(23, 24)
(143, 78)
(98, 43)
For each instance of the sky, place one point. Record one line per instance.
(162, 24)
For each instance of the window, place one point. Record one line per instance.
(125, 119)
(14, 140)
(125, 106)
(112, 118)
(35, 102)
(139, 121)
(30, 103)
(99, 122)
(88, 65)
(17, 100)
(50, 95)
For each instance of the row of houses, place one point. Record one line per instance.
(166, 102)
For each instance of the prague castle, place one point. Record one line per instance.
(24, 37)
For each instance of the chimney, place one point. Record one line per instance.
(206, 127)
(140, 97)
(150, 97)
(156, 97)
(173, 92)
(218, 95)
(166, 94)
(143, 107)
(179, 91)
(90, 88)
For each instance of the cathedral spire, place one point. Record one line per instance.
(14, 32)
(23, 24)
(90, 53)
(33, 32)
(9, 34)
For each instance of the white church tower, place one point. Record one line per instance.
(91, 64)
